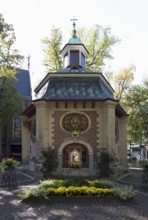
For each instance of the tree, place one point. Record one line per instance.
(10, 60)
(137, 101)
(51, 49)
(122, 81)
(97, 40)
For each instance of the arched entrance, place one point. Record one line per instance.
(75, 155)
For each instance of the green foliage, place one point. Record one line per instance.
(10, 61)
(9, 57)
(122, 81)
(51, 49)
(143, 164)
(10, 106)
(103, 184)
(97, 40)
(34, 193)
(83, 188)
(64, 191)
(77, 183)
(123, 192)
(8, 163)
(47, 161)
(137, 103)
(104, 165)
(77, 191)
(51, 183)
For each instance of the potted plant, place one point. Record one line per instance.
(8, 163)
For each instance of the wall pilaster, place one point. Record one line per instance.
(25, 144)
(108, 127)
(42, 126)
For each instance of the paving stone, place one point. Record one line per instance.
(11, 207)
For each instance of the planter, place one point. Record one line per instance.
(8, 164)
(78, 199)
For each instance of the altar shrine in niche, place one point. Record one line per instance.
(76, 113)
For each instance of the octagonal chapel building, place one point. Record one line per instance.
(76, 113)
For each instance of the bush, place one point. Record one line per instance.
(123, 192)
(95, 188)
(103, 184)
(77, 191)
(47, 161)
(51, 183)
(34, 193)
(104, 165)
(8, 163)
(76, 182)
(143, 164)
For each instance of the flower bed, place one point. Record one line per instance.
(54, 188)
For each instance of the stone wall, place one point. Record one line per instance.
(59, 134)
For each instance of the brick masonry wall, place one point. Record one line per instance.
(90, 135)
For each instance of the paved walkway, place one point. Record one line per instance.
(11, 207)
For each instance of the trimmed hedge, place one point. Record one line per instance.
(76, 191)
(77, 183)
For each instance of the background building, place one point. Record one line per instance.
(23, 86)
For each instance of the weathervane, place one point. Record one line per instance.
(74, 25)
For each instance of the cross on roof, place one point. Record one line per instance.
(74, 25)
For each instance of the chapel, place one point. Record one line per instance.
(75, 113)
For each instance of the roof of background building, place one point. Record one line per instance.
(23, 84)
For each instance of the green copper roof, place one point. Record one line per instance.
(74, 40)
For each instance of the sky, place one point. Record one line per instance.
(128, 19)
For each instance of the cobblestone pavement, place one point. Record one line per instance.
(11, 208)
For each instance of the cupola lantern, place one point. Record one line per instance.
(74, 52)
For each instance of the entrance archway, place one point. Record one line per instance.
(75, 155)
(79, 152)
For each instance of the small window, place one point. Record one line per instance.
(74, 58)
(82, 60)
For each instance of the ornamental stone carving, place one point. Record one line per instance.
(75, 122)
